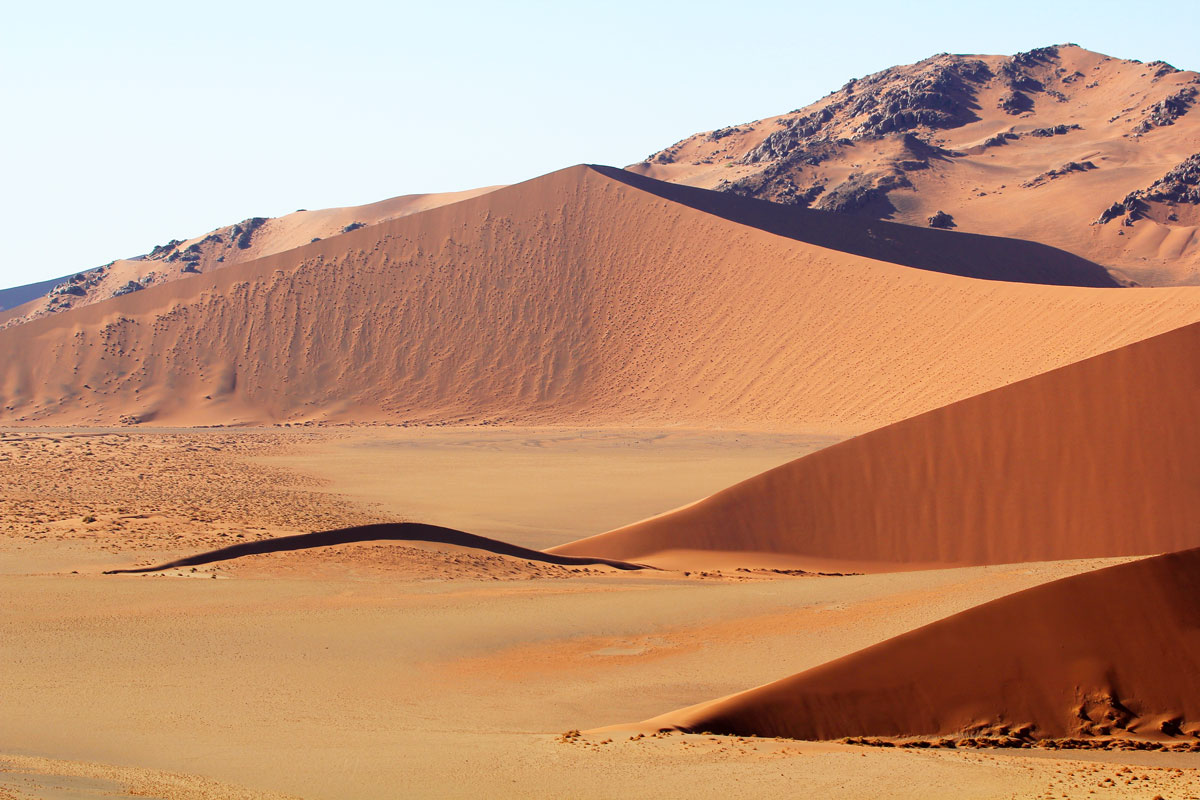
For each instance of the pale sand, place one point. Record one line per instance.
(538, 487)
(365, 688)
(314, 677)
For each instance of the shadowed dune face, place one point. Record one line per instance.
(1111, 652)
(1098, 458)
(570, 299)
(383, 532)
(970, 255)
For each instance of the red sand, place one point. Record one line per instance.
(1098, 458)
(570, 299)
(1111, 652)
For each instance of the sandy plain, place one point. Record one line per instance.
(384, 670)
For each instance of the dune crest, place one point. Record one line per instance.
(573, 298)
(1113, 652)
(1097, 458)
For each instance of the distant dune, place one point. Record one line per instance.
(1097, 155)
(1097, 458)
(573, 298)
(1112, 652)
(245, 241)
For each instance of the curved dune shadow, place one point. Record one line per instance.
(395, 532)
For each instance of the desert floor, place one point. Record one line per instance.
(387, 670)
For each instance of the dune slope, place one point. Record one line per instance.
(223, 247)
(1097, 458)
(573, 298)
(1111, 652)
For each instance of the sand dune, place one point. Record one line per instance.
(1112, 652)
(223, 247)
(573, 298)
(382, 532)
(1098, 458)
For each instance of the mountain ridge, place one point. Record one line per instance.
(1040, 146)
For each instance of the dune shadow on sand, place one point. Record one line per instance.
(383, 532)
(971, 255)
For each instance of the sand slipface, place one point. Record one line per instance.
(1114, 652)
(571, 299)
(1098, 458)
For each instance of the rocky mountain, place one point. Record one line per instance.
(1092, 154)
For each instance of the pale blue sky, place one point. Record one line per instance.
(127, 124)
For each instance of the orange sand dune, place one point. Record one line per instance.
(218, 249)
(1098, 458)
(573, 298)
(1111, 652)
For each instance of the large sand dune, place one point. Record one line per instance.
(1112, 652)
(573, 298)
(1098, 458)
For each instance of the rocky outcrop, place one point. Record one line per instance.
(1167, 110)
(128, 288)
(1000, 139)
(64, 295)
(1054, 130)
(243, 232)
(1065, 169)
(941, 94)
(1180, 185)
(864, 192)
(941, 219)
(796, 134)
(1015, 102)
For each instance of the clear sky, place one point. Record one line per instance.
(127, 124)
